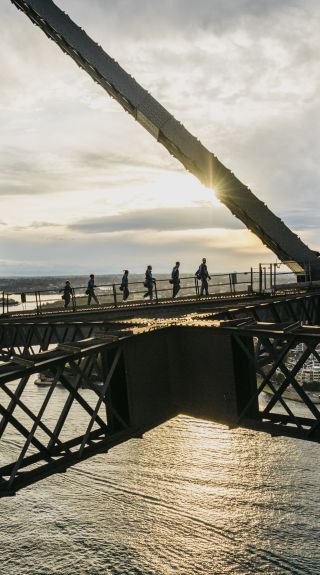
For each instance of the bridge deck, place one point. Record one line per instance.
(163, 306)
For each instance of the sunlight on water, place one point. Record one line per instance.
(192, 497)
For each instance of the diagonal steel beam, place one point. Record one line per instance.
(67, 406)
(25, 432)
(82, 401)
(30, 438)
(26, 409)
(101, 398)
(290, 378)
(12, 405)
(265, 381)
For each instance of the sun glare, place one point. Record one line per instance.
(172, 189)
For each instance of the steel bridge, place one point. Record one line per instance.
(115, 378)
(113, 374)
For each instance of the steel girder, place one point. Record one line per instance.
(305, 309)
(28, 338)
(40, 446)
(282, 406)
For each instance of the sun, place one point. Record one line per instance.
(175, 189)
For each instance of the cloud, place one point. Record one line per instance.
(161, 219)
(144, 18)
(242, 75)
(98, 161)
(303, 218)
(28, 172)
(101, 254)
(37, 226)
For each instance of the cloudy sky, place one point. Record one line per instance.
(83, 188)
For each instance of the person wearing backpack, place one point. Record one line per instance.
(203, 275)
(67, 293)
(175, 279)
(90, 290)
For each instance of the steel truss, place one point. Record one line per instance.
(42, 447)
(267, 408)
(305, 309)
(28, 338)
(86, 408)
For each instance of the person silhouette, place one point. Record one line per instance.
(203, 275)
(175, 279)
(149, 282)
(67, 293)
(90, 290)
(124, 285)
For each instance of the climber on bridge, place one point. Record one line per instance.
(124, 285)
(203, 275)
(67, 293)
(90, 290)
(149, 282)
(175, 279)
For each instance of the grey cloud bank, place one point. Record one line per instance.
(161, 219)
(98, 254)
(41, 172)
(145, 17)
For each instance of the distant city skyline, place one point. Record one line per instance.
(84, 189)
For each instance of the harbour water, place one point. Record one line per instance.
(190, 498)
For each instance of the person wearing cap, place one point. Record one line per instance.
(175, 279)
(67, 293)
(203, 275)
(124, 285)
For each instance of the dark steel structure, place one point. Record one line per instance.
(172, 135)
(229, 365)
(30, 338)
(110, 379)
(42, 450)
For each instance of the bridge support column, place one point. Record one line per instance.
(213, 377)
(148, 373)
(199, 372)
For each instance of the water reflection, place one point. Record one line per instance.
(192, 497)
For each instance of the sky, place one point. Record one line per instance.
(85, 189)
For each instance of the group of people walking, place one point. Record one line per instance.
(201, 274)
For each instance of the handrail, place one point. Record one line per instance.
(253, 281)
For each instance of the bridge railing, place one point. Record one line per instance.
(265, 278)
